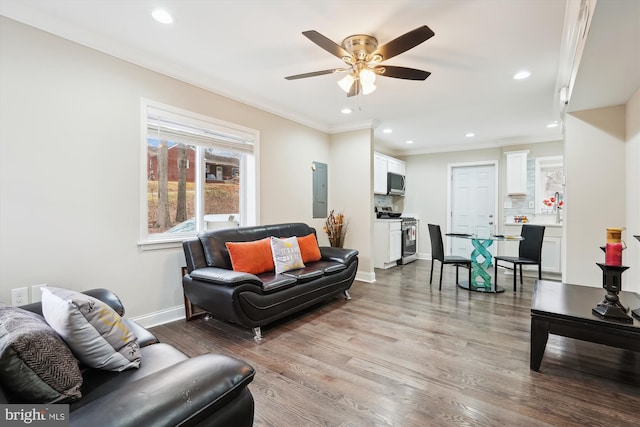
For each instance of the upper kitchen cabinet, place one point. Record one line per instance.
(379, 174)
(517, 173)
(382, 164)
(396, 166)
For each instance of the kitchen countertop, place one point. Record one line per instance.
(534, 223)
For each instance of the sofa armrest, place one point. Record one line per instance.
(107, 297)
(144, 336)
(341, 255)
(104, 295)
(183, 394)
(222, 276)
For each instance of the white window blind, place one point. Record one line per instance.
(167, 125)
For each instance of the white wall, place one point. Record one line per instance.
(427, 177)
(351, 192)
(632, 154)
(595, 195)
(427, 186)
(70, 168)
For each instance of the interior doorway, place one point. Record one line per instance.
(472, 203)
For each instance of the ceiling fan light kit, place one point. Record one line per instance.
(367, 89)
(346, 82)
(361, 54)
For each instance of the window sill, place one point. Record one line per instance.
(155, 245)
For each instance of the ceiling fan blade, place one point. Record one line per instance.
(404, 42)
(327, 44)
(316, 73)
(401, 72)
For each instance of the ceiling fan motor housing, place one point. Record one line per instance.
(360, 46)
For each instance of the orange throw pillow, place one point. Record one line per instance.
(309, 248)
(251, 257)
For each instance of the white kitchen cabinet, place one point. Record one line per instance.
(516, 172)
(396, 166)
(551, 254)
(379, 174)
(381, 165)
(387, 238)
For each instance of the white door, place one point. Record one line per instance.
(473, 204)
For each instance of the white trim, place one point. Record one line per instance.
(348, 127)
(448, 148)
(516, 152)
(150, 245)
(365, 276)
(450, 166)
(142, 185)
(161, 317)
(231, 134)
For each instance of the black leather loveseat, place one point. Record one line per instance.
(168, 389)
(255, 300)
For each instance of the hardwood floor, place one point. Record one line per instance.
(402, 353)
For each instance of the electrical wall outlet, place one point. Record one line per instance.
(19, 296)
(36, 292)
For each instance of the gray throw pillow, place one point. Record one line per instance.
(286, 254)
(96, 334)
(36, 366)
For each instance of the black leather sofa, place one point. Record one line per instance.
(168, 389)
(211, 284)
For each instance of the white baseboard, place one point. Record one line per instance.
(366, 276)
(546, 275)
(160, 317)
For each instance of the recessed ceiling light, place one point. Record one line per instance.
(553, 125)
(470, 134)
(162, 16)
(520, 75)
(409, 141)
(346, 110)
(387, 130)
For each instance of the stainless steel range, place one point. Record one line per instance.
(409, 240)
(386, 212)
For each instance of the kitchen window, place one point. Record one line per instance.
(549, 183)
(199, 173)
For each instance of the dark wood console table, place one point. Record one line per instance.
(562, 309)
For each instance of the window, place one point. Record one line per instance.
(199, 174)
(549, 183)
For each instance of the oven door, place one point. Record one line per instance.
(409, 239)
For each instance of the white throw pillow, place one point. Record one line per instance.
(96, 334)
(286, 254)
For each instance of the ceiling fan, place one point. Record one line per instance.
(363, 57)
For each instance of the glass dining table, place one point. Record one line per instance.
(482, 261)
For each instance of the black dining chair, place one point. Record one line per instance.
(529, 253)
(437, 253)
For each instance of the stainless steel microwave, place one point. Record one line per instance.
(395, 184)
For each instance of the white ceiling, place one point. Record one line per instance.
(243, 49)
